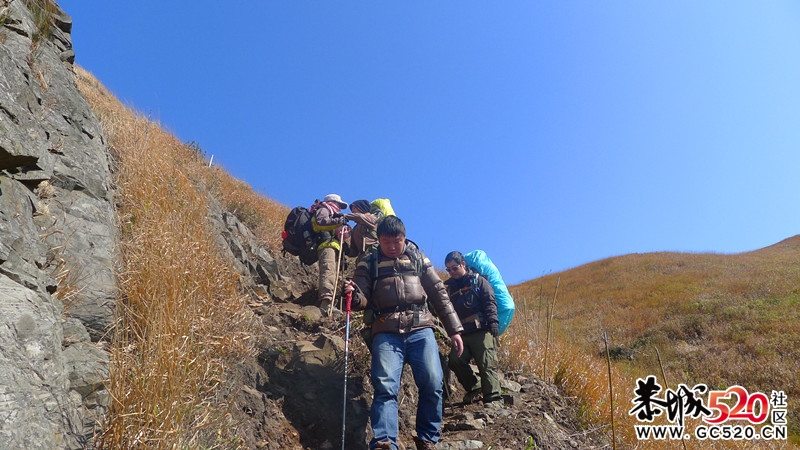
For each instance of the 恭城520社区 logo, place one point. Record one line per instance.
(732, 404)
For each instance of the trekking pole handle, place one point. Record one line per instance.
(348, 298)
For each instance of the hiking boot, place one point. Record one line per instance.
(472, 396)
(497, 404)
(383, 445)
(325, 307)
(424, 445)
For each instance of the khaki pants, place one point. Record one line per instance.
(479, 346)
(327, 275)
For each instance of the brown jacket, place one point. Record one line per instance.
(400, 291)
(361, 240)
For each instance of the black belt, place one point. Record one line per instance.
(401, 308)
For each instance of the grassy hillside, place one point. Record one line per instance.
(722, 320)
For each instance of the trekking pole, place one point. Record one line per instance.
(446, 381)
(348, 301)
(336, 278)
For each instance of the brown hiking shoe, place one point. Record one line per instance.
(424, 445)
(383, 445)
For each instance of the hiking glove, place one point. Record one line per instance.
(493, 329)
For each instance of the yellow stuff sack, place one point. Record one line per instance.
(382, 206)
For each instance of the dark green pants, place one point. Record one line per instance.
(480, 347)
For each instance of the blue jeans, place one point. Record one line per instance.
(390, 351)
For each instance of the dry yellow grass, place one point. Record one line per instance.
(263, 216)
(716, 319)
(182, 320)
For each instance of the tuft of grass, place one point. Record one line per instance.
(43, 12)
(262, 215)
(5, 19)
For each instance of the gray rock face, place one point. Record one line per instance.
(57, 241)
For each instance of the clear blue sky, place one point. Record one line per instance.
(548, 133)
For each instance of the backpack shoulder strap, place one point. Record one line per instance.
(372, 268)
(412, 249)
(372, 265)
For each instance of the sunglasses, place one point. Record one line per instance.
(451, 269)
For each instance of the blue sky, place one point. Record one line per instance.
(548, 133)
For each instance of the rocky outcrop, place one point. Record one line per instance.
(282, 280)
(57, 238)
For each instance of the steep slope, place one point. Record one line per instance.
(290, 395)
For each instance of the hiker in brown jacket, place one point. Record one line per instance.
(363, 237)
(396, 282)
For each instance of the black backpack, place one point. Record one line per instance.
(299, 238)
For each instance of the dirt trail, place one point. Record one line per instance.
(290, 396)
